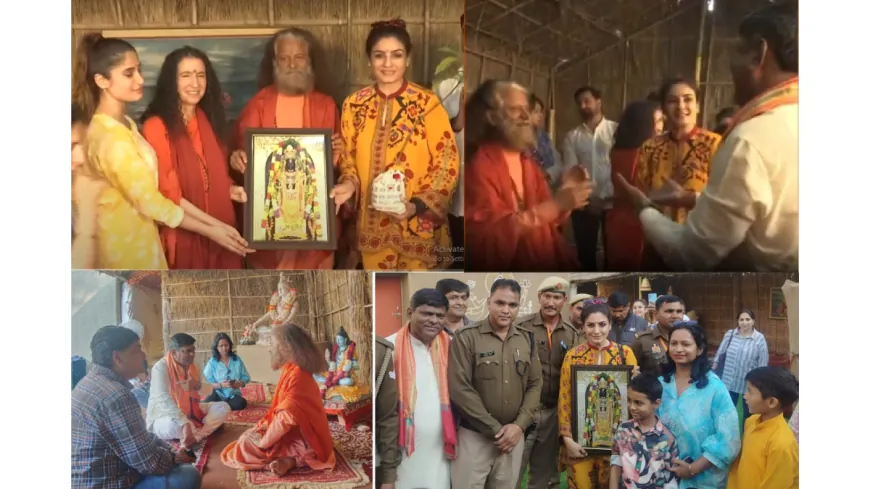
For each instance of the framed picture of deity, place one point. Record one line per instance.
(289, 177)
(599, 402)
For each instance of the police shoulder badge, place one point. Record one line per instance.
(656, 349)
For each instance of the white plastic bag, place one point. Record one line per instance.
(388, 192)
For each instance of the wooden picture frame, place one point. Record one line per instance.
(613, 407)
(289, 211)
(778, 307)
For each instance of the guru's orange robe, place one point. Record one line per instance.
(511, 225)
(318, 112)
(294, 427)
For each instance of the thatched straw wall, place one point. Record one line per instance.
(485, 58)
(672, 47)
(203, 303)
(340, 25)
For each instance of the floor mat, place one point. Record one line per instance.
(257, 393)
(202, 451)
(345, 475)
(248, 416)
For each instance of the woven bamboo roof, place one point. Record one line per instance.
(564, 31)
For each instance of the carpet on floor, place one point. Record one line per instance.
(354, 447)
(345, 475)
(201, 450)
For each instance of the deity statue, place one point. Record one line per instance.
(603, 410)
(290, 193)
(282, 309)
(341, 381)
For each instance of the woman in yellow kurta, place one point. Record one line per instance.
(107, 78)
(588, 471)
(675, 166)
(399, 126)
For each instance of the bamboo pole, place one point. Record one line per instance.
(711, 38)
(699, 53)
(667, 18)
(230, 301)
(194, 14)
(427, 36)
(625, 73)
(164, 299)
(183, 29)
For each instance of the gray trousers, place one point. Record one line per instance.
(541, 451)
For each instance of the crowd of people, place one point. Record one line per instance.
(117, 446)
(160, 192)
(481, 404)
(659, 190)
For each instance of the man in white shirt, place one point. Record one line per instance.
(746, 219)
(427, 434)
(589, 145)
(174, 411)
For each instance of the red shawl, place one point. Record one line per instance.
(624, 252)
(204, 183)
(501, 236)
(320, 113)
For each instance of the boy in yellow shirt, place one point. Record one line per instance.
(769, 459)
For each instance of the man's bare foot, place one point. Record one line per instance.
(282, 466)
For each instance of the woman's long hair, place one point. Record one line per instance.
(166, 103)
(95, 55)
(214, 346)
(701, 364)
(636, 125)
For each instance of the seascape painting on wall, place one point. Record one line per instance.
(234, 54)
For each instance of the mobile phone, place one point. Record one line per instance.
(190, 453)
(652, 297)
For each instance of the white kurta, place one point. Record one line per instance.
(428, 466)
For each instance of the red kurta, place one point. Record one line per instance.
(504, 234)
(319, 112)
(622, 227)
(193, 166)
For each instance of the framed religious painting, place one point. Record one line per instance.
(290, 174)
(599, 403)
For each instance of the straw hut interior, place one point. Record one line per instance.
(340, 26)
(204, 303)
(623, 47)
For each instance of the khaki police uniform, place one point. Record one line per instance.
(541, 451)
(386, 414)
(651, 350)
(492, 383)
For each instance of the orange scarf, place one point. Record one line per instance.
(298, 394)
(187, 401)
(786, 93)
(406, 375)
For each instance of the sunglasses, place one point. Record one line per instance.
(685, 323)
(596, 300)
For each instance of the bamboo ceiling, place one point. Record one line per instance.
(567, 30)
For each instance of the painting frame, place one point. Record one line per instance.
(326, 174)
(235, 54)
(777, 302)
(582, 374)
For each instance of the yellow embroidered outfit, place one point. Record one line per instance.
(127, 234)
(408, 131)
(594, 470)
(685, 161)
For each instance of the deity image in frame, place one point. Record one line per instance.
(289, 177)
(599, 396)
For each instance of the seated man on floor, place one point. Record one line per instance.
(174, 408)
(295, 431)
(110, 445)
